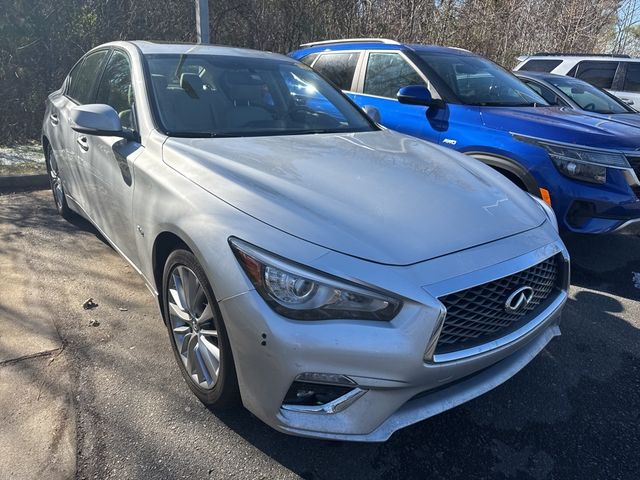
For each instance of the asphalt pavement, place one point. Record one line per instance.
(573, 413)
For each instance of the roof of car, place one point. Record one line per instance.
(378, 44)
(538, 75)
(576, 57)
(153, 47)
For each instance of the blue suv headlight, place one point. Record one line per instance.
(580, 163)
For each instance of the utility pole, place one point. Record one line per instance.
(202, 21)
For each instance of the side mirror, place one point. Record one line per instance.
(417, 95)
(98, 119)
(372, 112)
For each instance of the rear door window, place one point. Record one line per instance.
(84, 77)
(387, 73)
(599, 74)
(540, 65)
(338, 67)
(632, 78)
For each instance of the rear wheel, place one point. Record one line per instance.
(57, 188)
(197, 332)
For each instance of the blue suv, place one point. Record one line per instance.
(586, 168)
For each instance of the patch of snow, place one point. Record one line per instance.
(28, 154)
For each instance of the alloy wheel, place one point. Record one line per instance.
(56, 183)
(192, 324)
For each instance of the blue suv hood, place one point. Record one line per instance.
(567, 126)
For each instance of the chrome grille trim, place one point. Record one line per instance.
(477, 315)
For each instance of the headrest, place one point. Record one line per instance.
(192, 84)
(159, 81)
(243, 78)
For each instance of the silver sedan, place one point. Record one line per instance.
(339, 279)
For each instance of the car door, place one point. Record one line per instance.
(110, 159)
(78, 90)
(627, 88)
(383, 74)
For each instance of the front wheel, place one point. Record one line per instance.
(55, 181)
(198, 335)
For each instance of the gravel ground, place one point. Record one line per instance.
(573, 413)
(25, 159)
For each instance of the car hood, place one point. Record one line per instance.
(630, 119)
(380, 196)
(563, 125)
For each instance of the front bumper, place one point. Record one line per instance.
(385, 359)
(595, 209)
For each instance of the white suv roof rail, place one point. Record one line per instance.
(351, 40)
(560, 54)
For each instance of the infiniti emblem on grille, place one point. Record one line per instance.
(518, 299)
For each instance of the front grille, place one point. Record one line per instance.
(635, 164)
(478, 314)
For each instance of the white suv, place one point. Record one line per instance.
(619, 74)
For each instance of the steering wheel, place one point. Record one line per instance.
(590, 106)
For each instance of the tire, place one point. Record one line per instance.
(55, 181)
(191, 319)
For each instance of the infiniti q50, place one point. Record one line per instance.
(338, 279)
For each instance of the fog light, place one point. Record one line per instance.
(580, 212)
(311, 394)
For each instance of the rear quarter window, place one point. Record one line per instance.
(308, 59)
(632, 78)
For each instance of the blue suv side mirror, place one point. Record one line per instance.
(417, 95)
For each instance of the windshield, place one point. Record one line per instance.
(228, 96)
(587, 96)
(478, 81)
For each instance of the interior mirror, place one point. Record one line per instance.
(577, 90)
(372, 112)
(98, 119)
(416, 95)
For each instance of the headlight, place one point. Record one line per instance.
(304, 294)
(548, 211)
(580, 163)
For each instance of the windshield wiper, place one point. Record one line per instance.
(201, 134)
(502, 104)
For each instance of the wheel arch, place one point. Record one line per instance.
(165, 243)
(511, 169)
(45, 144)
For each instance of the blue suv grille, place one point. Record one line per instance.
(634, 161)
(478, 314)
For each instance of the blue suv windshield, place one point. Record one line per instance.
(477, 81)
(225, 96)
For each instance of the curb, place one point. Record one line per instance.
(23, 182)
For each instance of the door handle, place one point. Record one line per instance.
(54, 119)
(83, 142)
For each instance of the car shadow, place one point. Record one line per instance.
(605, 263)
